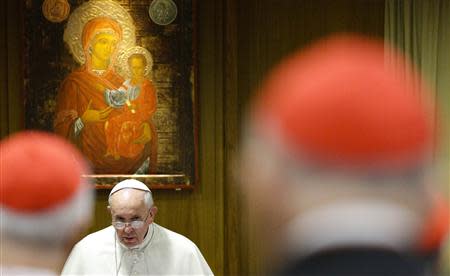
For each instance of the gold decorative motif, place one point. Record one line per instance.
(56, 10)
(122, 61)
(90, 10)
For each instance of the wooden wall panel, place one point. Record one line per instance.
(270, 29)
(236, 246)
(11, 111)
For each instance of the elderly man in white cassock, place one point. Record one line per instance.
(134, 244)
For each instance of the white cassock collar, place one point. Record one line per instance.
(132, 257)
(355, 223)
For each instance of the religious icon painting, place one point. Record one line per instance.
(117, 79)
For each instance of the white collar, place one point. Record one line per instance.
(137, 252)
(357, 223)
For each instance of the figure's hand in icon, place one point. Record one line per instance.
(94, 116)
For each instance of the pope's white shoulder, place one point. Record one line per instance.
(172, 238)
(103, 236)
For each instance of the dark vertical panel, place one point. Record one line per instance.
(235, 245)
(3, 72)
(271, 29)
(11, 66)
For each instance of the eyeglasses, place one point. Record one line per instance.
(135, 224)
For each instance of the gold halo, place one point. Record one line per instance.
(122, 61)
(90, 10)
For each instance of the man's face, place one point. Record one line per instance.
(103, 45)
(128, 205)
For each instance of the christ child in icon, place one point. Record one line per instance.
(127, 133)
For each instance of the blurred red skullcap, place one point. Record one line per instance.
(39, 171)
(339, 102)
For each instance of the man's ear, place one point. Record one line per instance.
(153, 211)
